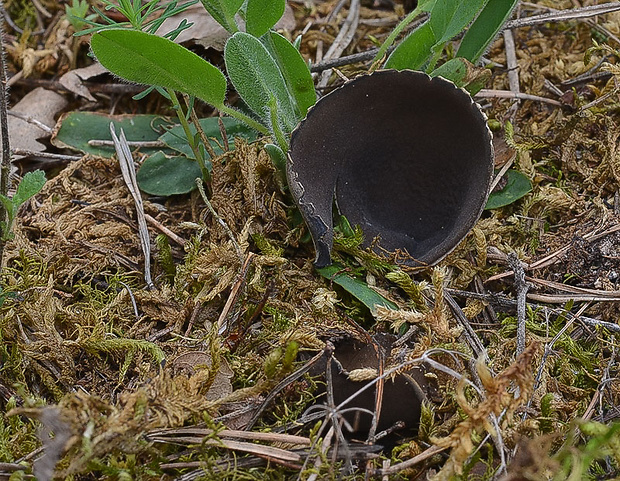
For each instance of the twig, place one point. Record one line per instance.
(506, 94)
(521, 287)
(346, 34)
(347, 60)
(502, 302)
(128, 170)
(325, 353)
(409, 463)
(46, 155)
(558, 16)
(30, 120)
(147, 144)
(158, 225)
(222, 326)
(5, 162)
(513, 68)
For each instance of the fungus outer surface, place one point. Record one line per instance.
(406, 157)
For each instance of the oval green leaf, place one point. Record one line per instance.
(294, 69)
(261, 15)
(257, 78)
(517, 186)
(175, 137)
(414, 51)
(165, 176)
(152, 60)
(356, 287)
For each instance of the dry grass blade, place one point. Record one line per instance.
(128, 170)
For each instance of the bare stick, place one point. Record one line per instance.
(521, 286)
(5, 162)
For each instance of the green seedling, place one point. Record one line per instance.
(481, 20)
(266, 69)
(77, 13)
(31, 185)
(147, 17)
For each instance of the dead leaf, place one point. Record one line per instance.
(189, 361)
(73, 80)
(41, 105)
(206, 32)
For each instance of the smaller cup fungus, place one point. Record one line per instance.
(405, 156)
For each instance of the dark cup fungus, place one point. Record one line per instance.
(406, 157)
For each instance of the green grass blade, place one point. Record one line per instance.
(294, 69)
(257, 78)
(261, 15)
(485, 28)
(357, 288)
(151, 60)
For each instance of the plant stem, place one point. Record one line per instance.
(196, 121)
(395, 33)
(244, 118)
(5, 161)
(206, 175)
(277, 131)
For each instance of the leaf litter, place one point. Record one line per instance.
(113, 369)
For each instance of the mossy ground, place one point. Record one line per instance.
(110, 367)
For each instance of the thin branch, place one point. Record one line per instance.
(5, 161)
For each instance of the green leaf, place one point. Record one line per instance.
(278, 157)
(152, 60)
(517, 186)
(224, 11)
(485, 28)
(256, 77)
(175, 137)
(9, 207)
(30, 185)
(454, 70)
(162, 175)
(450, 17)
(414, 51)
(294, 69)
(78, 128)
(464, 74)
(261, 15)
(356, 288)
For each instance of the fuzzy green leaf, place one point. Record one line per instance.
(175, 137)
(356, 288)
(414, 51)
(261, 15)
(152, 60)
(294, 69)
(224, 11)
(30, 185)
(517, 186)
(257, 78)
